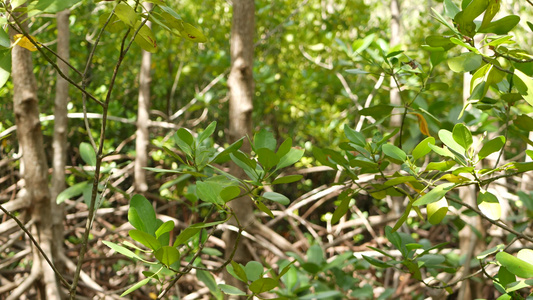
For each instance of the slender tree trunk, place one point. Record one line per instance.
(143, 118)
(395, 39)
(35, 174)
(60, 142)
(527, 178)
(469, 243)
(241, 86)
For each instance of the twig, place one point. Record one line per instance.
(501, 225)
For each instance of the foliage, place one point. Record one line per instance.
(441, 146)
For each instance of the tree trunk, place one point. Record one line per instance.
(35, 173)
(143, 118)
(395, 39)
(60, 141)
(241, 86)
(469, 244)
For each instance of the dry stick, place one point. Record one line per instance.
(123, 50)
(21, 225)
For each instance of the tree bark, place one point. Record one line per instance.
(241, 87)
(60, 142)
(395, 39)
(35, 173)
(143, 119)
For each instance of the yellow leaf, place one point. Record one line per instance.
(422, 124)
(454, 178)
(24, 42)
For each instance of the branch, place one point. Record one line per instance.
(501, 225)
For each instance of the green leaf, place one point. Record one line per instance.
(124, 251)
(277, 197)
(443, 21)
(435, 194)
(263, 208)
(492, 10)
(447, 138)
(394, 152)
(264, 139)
(321, 295)
(238, 269)
(253, 270)
(208, 279)
(185, 235)
(145, 38)
(439, 41)
(262, 285)
(209, 191)
(164, 228)
(515, 265)
(267, 158)
(126, 14)
(142, 214)
(437, 211)
(315, 255)
(5, 66)
(356, 71)
(462, 136)
(193, 34)
(70, 192)
(209, 130)
(136, 286)
(287, 179)
(51, 6)
(224, 155)
(489, 205)
(4, 40)
(501, 26)
(167, 255)
(230, 192)
(354, 136)
(524, 122)
(231, 290)
(184, 140)
(451, 8)
(494, 145)
(87, 154)
(525, 255)
(465, 62)
(422, 148)
(490, 251)
(474, 9)
(293, 156)
(375, 262)
(524, 85)
(144, 238)
(341, 209)
(399, 180)
(440, 166)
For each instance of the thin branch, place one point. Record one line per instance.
(501, 225)
(123, 50)
(453, 283)
(48, 59)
